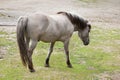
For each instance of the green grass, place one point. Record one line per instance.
(3, 32)
(102, 55)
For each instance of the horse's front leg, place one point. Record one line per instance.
(49, 53)
(66, 45)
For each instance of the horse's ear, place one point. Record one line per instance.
(89, 25)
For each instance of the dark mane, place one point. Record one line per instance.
(75, 20)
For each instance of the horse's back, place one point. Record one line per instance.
(49, 28)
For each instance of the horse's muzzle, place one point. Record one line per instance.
(86, 42)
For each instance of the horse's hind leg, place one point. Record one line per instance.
(49, 53)
(30, 52)
(27, 41)
(66, 44)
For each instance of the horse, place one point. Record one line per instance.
(49, 28)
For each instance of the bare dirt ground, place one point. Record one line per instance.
(103, 13)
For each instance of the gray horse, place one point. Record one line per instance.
(49, 28)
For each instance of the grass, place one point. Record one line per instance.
(102, 55)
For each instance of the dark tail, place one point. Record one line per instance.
(21, 28)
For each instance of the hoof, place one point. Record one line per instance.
(32, 70)
(69, 66)
(47, 65)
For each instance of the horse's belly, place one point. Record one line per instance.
(53, 38)
(47, 38)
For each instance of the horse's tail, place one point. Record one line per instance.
(21, 28)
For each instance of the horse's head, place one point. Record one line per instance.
(81, 25)
(84, 34)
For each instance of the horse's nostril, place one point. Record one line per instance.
(86, 43)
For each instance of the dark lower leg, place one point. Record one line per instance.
(30, 64)
(49, 53)
(69, 64)
(47, 62)
(66, 43)
(68, 60)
